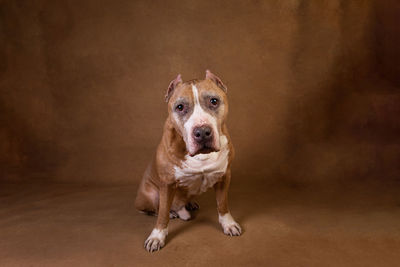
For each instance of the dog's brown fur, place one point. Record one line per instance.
(159, 192)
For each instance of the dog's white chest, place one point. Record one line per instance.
(202, 171)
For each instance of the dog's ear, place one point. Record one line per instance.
(172, 85)
(211, 76)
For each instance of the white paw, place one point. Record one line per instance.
(184, 214)
(229, 225)
(156, 240)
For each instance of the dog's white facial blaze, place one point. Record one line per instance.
(199, 117)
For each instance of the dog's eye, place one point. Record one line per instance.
(179, 107)
(214, 101)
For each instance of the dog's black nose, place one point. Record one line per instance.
(202, 134)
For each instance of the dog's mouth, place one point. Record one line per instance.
(204, 149)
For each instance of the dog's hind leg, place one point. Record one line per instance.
(147, 199)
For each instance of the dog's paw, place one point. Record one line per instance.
(229, 225)
(173, 214)
(184, 214)
(192, 206)
(232, 229)
(156, 240)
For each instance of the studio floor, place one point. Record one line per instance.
(44, 224)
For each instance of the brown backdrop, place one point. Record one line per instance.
(314, 101)
(313, 86)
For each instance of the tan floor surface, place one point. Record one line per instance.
(76, 225)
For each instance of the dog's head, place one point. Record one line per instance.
(198, 109)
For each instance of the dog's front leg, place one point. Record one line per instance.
(156, 239)
(226, 220)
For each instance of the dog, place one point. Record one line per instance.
(195, 154)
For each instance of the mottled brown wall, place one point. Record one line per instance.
(312, 85)
(388, 39)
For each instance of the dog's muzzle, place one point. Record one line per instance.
(204, 139)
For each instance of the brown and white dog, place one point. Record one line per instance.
(194, 154)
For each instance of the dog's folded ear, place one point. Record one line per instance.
(211, 76)
(172, 85)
